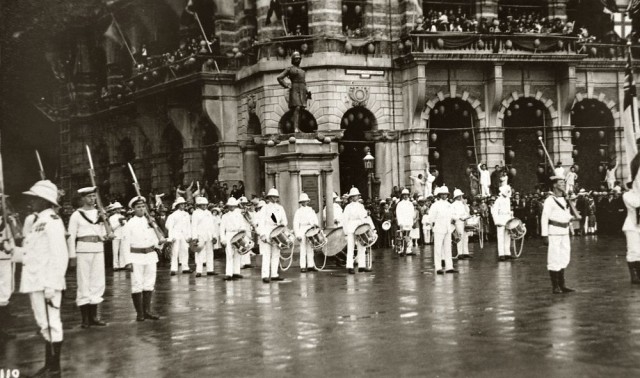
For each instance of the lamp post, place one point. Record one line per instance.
(368, 167)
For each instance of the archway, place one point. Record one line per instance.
(353, 148)
(307, 122)
(525, 120)
(171, 147)
(451, 142)
(593, 141)
(210, 151)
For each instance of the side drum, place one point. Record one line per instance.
(242, 242)
(364, 235)
(315, 237)
(516, 228)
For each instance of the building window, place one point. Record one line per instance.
(296, 16)
(353, 18)
(522, 10)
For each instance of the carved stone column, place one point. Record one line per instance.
(328, 196)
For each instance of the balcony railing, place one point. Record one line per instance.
(448, 42)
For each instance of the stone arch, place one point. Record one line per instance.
(254, 126)
(307, 123)
(515, 96)
(354, 145)
(609, 104)
(476, 105)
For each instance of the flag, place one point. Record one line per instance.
(630, 113)
(113, 34)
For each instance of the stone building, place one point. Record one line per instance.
(380, 84)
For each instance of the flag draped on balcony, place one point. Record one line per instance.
(630, 115)
(633, 11)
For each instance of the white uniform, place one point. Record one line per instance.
(337, 215)
(6, 270)
(246, 258)
(460, 213)
(232, 223)
(138, 243)
(418, 184)
(610, 177)
(44, 264)
(485, 181)
(353, 216)
(303, 220)
(178, 225)
(570, 180)
(272, 215)
(116, 221)
(441, 215)
(501, 212)
(426, 228)
(215, 220)
(202, 229)
(405, 211)
(631, 227)
(86, 242)
(556, 218)
(429, 183)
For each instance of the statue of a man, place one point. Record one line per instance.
(298, 94)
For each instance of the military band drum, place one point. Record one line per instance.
(355, 215)
(232, 222)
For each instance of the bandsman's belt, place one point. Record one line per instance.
(558, 224)
(89, 239)
(142, 250)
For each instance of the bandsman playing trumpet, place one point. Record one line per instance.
(232, 222)
(303, 220)
(273, 215)
(405, 213)
(139, 245)
(202, 234)
(86, 244)
(353, 216)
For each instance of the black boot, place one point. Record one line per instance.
(561, 283)
(146, 298)
(554, 282)
(54, 366)
(5, 320)
(45, 371)
(84, 310)
(93, 316)
(633, 272)
(137, 303)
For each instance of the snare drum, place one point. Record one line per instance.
(282, 237)
(516, 228)
(364, 235)
(472, 224)
(241, 242)
(315, 237)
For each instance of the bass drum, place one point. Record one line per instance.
(336, 242)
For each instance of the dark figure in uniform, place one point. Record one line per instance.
(298, 93)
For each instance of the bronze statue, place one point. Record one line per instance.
(298, 93)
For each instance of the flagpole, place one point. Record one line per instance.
(124, 40)
(204, 35)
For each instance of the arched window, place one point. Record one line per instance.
(296, 16)
(524, 121)
(307, 122)
(353, 17)
(356, 122)
(451, 142)
(593, 141)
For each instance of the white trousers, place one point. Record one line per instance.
(6, 281)
(118, 259)
(270, 260)
(485, 190)
(90, 276)
(633, 246)
(180, 255)
(143, 277)
(463, 244)
(245, 259)
(559, 252)
(427, 234)
(306, 254)
(205, 257)
(504, 241)
(351, 246)
(43, 312)
(233, 261)
(442, 250)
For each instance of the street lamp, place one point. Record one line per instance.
(368, 167)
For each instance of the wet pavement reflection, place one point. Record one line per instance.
(492, 319)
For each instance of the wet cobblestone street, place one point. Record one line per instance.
(492, 319)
